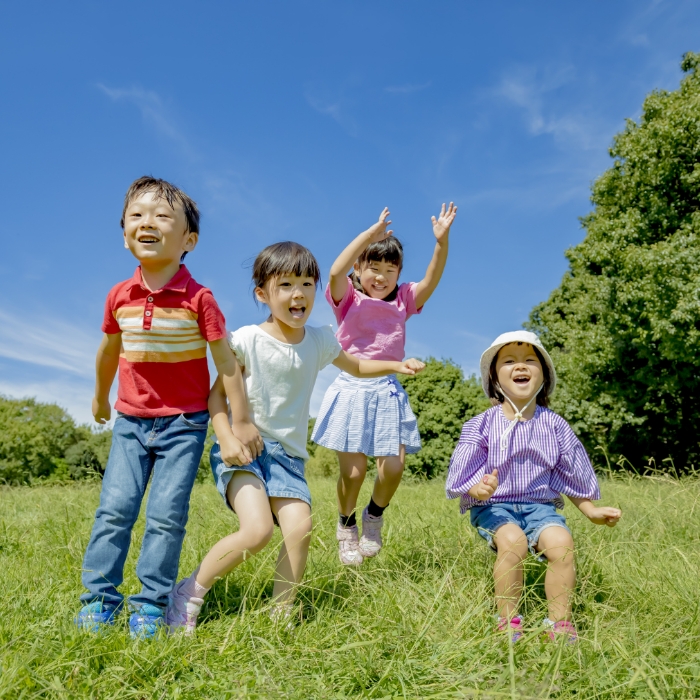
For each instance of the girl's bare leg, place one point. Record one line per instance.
(557, 545)
(389, 473)
(353, 468)
(294, 517)
(247, 496)
(511, 546)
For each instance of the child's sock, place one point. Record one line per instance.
(347, 520)
(374, 510)
(191, 588)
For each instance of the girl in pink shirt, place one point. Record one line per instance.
(361, 417)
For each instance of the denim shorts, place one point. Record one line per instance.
(531, 518)
(282, 475)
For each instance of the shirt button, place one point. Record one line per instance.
(150, 298)
(148, 313)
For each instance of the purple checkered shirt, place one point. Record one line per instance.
(542, 461)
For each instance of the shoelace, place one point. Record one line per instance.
(517, 419)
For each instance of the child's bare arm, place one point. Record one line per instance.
(106, 366)
(338, 276)
(234, 389)
(233, 451)
(600, 515)
(441, 230)
(486, 487)
(375, 368)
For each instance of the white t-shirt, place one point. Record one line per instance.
(279, 379)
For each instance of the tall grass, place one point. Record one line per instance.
(416, 622)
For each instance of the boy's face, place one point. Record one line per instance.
(519, 371)
(289, 298)
(378, 278)
(155, 233)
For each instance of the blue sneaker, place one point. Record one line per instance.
(146, 621)
(96, 616)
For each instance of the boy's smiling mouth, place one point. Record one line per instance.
(522, 380)
(148, 239)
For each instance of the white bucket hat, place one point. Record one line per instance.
(485, 366)
(515, 337)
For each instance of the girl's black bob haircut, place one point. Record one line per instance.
(494, 387)
(390, 251)
(286, 258)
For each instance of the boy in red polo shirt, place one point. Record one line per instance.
(157, 325)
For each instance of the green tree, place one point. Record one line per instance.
(624, 326)
(442, 400)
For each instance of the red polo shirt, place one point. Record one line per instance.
(163, 361)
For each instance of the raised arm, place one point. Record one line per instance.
(375, 368)
(232, 383)
(441, 230)
(338, 276)
(106, 366)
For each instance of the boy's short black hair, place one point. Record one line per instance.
(390, 251)
(542, 397)
(286, 258)
(162, 189)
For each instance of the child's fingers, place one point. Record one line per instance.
(434, 220)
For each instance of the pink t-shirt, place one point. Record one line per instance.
(373, 329)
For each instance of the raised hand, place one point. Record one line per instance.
(486, 487)
(441, 225)
(410, 366)
(604, 516)
(378, 231)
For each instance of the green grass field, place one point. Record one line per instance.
(416, 622)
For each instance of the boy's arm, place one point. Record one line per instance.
(338, 275)
(234, 388)
(106, 366)
(375, 368)
(598, 515)
(441, 230)
(233, 451)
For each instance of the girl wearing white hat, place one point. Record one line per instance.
(511, 467)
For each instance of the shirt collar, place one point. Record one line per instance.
(178, 283)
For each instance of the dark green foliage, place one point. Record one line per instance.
(624, 326)
(442, 400)
(41, 441)
(204, 471)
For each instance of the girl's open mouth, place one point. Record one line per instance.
(521, 380)
(297, 311)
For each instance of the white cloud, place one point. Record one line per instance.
(334, 108)
(153, 111)
(48, 343)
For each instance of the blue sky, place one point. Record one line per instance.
(301, 120)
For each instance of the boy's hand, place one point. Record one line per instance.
(486, 487)
(410, 366)
(378, 232)
(441, 225)
(101, 410)
(604, 516)
(249, 436)
(234, 452)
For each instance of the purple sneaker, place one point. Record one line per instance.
(371, 540)
(348, 545)
(182, 610)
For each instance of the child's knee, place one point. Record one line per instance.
(259, 535)
(510, 539)
(557, 545)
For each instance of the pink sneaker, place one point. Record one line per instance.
(182, 611)
(348, 545)
(371, 540)
(515, 624)
(562, 627)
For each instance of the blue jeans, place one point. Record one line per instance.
(169, 448)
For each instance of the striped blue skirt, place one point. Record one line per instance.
(371, 416)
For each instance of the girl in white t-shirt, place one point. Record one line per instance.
(258, 463)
